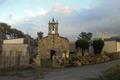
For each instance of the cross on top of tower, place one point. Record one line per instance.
(53, 20)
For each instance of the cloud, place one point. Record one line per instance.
(0, 17)
(60, 8)
(42, 12)
(39, 12)
(29, 15)
(13, 20)
(103, 18)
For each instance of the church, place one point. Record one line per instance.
(53, 44)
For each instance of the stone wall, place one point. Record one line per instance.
(14, 41)
(53, 42)
(118, 46)
(14, 55)
(110, 47)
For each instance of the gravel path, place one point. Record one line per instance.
(80, 73)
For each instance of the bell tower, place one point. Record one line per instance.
(53, 27)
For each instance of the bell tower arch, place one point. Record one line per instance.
(53, 27)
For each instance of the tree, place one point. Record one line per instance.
(82, 45)
(86, 36)
(40, 34)
(14, 33)
(83, 42)
(98, 46)
(6, 32)
(4, 29)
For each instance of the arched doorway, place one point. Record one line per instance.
(52, 54)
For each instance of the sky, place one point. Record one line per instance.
(74, 16)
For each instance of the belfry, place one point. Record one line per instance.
(53, 27)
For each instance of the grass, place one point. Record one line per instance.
(28, 71)
(111, 74)
(15, 71)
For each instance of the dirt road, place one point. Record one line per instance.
(80, 73)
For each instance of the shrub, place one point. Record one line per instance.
(98, 46)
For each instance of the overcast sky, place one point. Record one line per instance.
(74, 16)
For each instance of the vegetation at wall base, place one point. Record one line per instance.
(93, 59)
(10, 71)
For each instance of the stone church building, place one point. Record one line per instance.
(53, 44)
